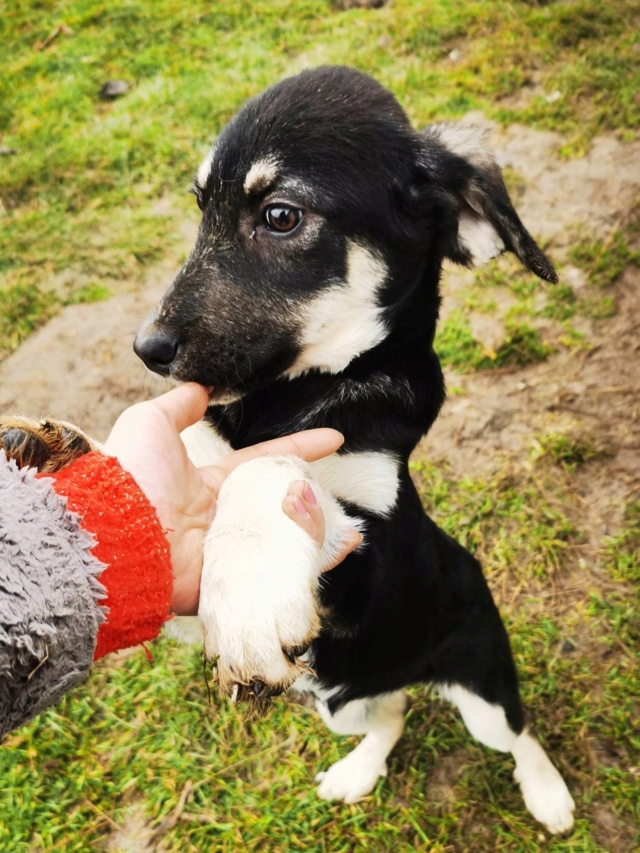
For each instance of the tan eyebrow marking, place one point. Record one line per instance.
(261, 174)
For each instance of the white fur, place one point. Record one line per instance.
(543, 788)
(260, 574)
(480, 238)
(381, 719)
(261, 174)
(346, 319)
(260, 569)
(204, 445)
(465, 140)
(475, 232)
(368, 479)
(486, 722)
(204, 169)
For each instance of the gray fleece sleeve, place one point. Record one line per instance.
(49, 611)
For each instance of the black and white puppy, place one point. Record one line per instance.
(311, 299)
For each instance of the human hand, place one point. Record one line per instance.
(146, 442)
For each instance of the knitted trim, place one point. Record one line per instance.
(138, 576)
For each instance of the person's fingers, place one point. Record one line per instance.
(184, 405)
(350, 541)
(311, 444)
(301, 506)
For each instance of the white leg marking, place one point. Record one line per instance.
(260, 574)
(261, 571)
(487, 723)
(381, 719)
(543, 788)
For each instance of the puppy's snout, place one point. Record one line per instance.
(157, 350)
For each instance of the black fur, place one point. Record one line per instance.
(413, 605)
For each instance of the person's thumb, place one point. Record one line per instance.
(185, 405)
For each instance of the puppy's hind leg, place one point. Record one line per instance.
(545, 793)
(381, 720)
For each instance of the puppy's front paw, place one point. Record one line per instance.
(45, 445)
(543, 788)
(258, 590)
(547, 798)
(350, 778)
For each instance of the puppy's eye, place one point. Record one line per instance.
(282, 219)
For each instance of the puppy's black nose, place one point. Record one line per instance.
(157, 350)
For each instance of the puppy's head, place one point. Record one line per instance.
(321, 210)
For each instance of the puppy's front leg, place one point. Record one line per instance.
(258, 594)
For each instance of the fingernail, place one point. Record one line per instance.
(309, 495)
(300, 508)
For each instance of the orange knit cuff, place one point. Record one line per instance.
(138, 576)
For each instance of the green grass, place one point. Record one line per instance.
(81, 196)
(605, 261)
(129, 742)
(457, 348)
(565, 450)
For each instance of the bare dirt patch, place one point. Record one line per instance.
(592, 392)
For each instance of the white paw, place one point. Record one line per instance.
(350, 778)
(259, 580)
(547, 796)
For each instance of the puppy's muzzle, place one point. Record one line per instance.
(158, 350)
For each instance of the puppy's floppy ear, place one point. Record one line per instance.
(487, 224)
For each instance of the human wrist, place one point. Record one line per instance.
(129, 540)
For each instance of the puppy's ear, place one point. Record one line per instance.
(455, 155)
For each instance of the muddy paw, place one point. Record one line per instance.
(45, 445)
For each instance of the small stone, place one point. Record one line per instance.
(455, 55)
(114, 89)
